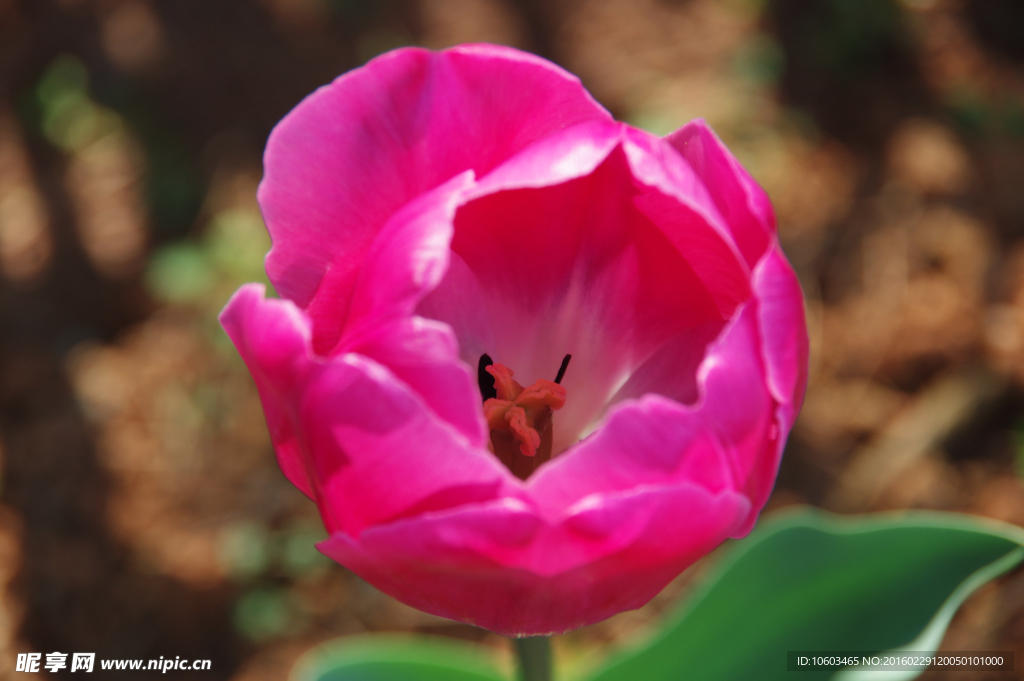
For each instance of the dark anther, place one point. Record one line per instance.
(484, 379)
(561, 369)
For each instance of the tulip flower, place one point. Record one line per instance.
(529, 362)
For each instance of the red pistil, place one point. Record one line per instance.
(520, 420)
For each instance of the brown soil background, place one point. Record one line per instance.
(142, 514)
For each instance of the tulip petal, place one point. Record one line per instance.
(499, 567)
(785, 349)
(272, 336)
(672, 370)
(361, 425)
(784, 328)
(406, 260)
(721, 442)
(742, 202)
(355, 151)
(342, 426)
(622, 252)
(424, 354)
(565, 155)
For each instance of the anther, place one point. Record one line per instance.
(561, 369)
(484, 379)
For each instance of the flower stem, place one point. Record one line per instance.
(534, 653)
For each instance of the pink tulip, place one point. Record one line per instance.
(429, 208)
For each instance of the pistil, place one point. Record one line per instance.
(520, 418)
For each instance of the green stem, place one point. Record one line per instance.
(534, 653)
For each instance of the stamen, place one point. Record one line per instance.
(561, 369)
(484, 379)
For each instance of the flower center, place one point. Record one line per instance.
(519, 418)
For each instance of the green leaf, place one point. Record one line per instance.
(392, 658)
(813, 581)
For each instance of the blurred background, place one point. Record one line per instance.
(142, 513)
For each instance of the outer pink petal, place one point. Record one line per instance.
(740, 199)
(655, 163)
(727, 441)
(653, 441)
(784, 329)
(355, 151)
(785, 349)
(380, 454)
(424, 355)
(407, 259)
(343, 426)
(272, 336)
(500, 567)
